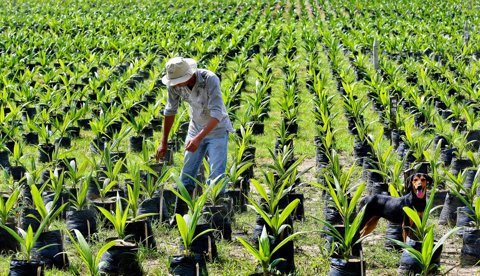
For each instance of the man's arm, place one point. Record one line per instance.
(193, 144)
(167, 126)
(169, 117)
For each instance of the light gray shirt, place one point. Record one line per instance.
(205, 100)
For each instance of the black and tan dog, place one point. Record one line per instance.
(391, 208)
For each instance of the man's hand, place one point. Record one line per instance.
(192, 144)
(161, 151)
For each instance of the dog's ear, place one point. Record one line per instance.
(408, 184)
(429, 179)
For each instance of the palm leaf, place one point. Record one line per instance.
(288, 210)
(183, 229)
(286, 240)
(250, 248)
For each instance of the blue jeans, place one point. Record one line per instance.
(216, 149)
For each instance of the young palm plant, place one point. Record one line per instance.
(422, 248)
(27, 240)
(85, 251)
(266, 251)
(123, 250)
(187, 227)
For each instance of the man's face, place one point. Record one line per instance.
(182, 84)
(189, 82)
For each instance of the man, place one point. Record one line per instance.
(209, 122)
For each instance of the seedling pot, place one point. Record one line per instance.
(440, 138)
(192, 265)
(402, 149)
(93, 192)
(351, 125)
(24, 268)
(458, 165)
(147, 132)
(26, 220)
(10, 145)
(292, 127)
(182, 132)
(331, 214)
(446, 155)
(260, 222)
(361, 149)
(249, 154)
(470, 254)
(8, 244)
(30, 112)
(45, 152)
(141, 232)
(286, 252)
(97, 144)
(321, 159)
(115, 156)
(470, 177)
(409, 265)
(473, 136)
(368, 174)
(136, 143)
(4, 159)
(73, 131)
(17, 172)
(395, 137)
(63, 142)
(463, 218)
(63, 198)
(156, 124)
(299, 212)
(114, 127)
(157, 167)
(377, 188)
(219, 216)
(171, 148)
(82, 220)
(106, 203)
(156, 205)
(238, 200)
(84, 124)
(54, 255)
(350, 267)
(31, 138)
(121, 259)
(331, 240)
(449, 210)
(394, 231)
(279, 145)
(204, 244)
(149, 97)
(257, 128)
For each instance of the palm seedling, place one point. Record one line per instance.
(26, 239)
(427, 252)
(120, 217)
(85, 251)
(48, 211)
(187, 223)
(265, 252)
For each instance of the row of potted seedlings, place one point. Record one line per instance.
(324, 111)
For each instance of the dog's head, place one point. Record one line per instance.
(417, 184)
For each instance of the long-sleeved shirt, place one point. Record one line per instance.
(205, 101)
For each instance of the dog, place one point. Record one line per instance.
(391, 208)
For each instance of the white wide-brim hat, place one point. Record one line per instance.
(179, 70)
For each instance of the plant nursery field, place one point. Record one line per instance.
(332, 101)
